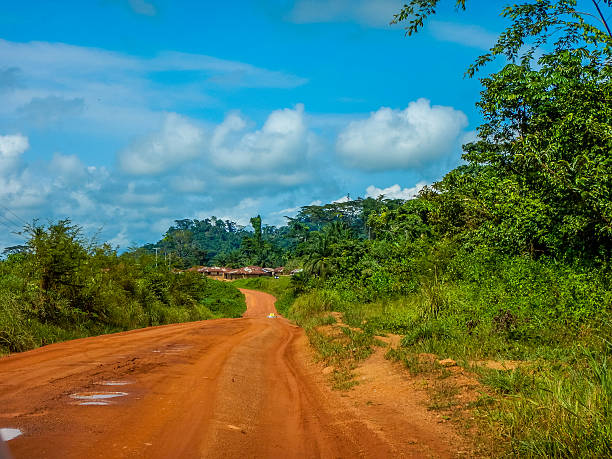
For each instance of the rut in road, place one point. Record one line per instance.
(221, 388)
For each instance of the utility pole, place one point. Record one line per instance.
(156, 249)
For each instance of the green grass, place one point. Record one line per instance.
(558, 401)
(340, 347)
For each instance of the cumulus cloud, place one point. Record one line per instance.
(11, 149)
(401, 139)
(277, 153)
(394, 191)
(368, 13)
(343, 199)
(464, 34)
(178, 141)
(68, 168)
(13, 145)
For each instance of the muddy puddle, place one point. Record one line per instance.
(114, 383)
(94, 396)
(8, 433)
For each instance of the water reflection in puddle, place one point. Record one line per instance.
(114, 383)
(94, 403)
(8, 433)
(97, 395)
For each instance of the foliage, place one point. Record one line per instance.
(63, 286)
(213, 241)
(534, 26)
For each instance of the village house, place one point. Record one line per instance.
(214, 271)
(247, 272)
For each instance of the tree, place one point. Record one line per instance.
(57, 252)
(540, 179)
(535, 23)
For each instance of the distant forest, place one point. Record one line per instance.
(214, 241)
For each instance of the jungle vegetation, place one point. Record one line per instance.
(59, 285)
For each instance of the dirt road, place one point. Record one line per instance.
(232, 388)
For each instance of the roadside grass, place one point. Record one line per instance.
(555, 400)
(338, 346)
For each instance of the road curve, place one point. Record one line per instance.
(228, 388)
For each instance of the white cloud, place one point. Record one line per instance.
(11, 149)
(277, 153)
(464, 34)
(366, 12)
(68, 168)
(178, 141)
(224, 72)
(139, 198)
(239, 212)
(12, 146)
(400, 139)
(469, 137)
(346, 198)
(112, 93)
(394, 191)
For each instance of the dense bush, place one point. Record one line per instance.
(60, 287)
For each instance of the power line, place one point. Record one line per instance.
(13, 213)
(14, 225)
(13, 232)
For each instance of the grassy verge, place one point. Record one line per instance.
(554, 400)
(338, 346)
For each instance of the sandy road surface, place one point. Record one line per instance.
(224, 388)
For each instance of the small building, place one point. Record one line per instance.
(214, 271)
(248, 272)
(194, 269)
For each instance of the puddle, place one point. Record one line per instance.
(97, 395)
(114, 383)
(94, 403)
(177, 348)
(8, 434)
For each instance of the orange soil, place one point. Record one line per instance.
(222, 388)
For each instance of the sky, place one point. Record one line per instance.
(124, 115)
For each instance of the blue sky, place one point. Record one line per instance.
(124, 115)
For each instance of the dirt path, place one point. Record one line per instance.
(232, 388)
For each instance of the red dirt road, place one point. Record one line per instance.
(229, 388)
